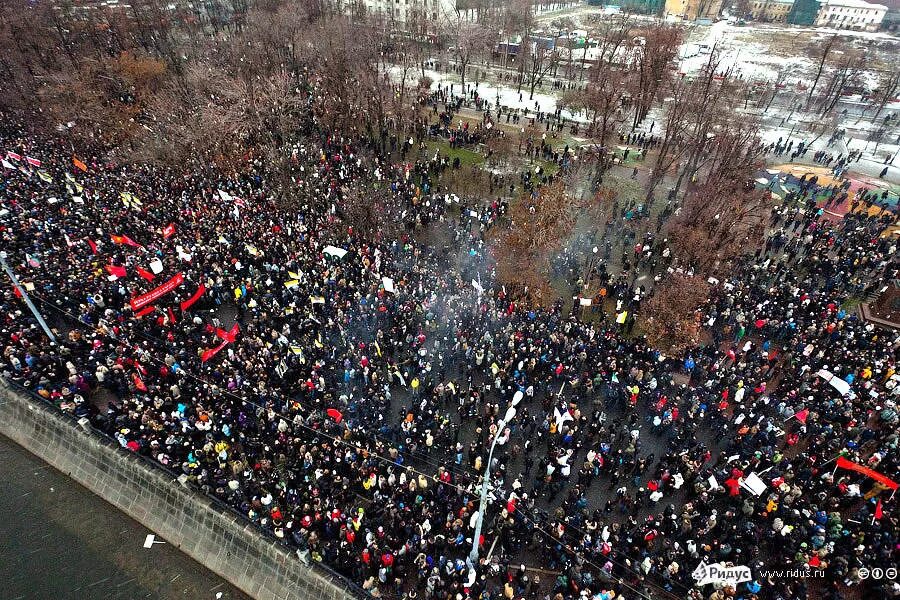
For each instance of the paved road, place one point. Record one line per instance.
(60, 541)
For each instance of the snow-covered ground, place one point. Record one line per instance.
(758, 53)
(762, 52)
(508, 96)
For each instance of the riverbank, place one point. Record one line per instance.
(59, 540)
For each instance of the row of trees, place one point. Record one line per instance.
(707, 152)
(205, 83)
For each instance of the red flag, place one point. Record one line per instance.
(171, 315)
(33, 161)
(79, 164)
(17, 292)
(212, 352)
(145, 274)
(878, 511)
(335, 414)
(197, 295)
(154, 294)
(801, 415)
(117, 270)
(13, 156)
(124, 239)
(92, 244)
(138, 383)
(228, 336)
(169, 231)
(815, 561)
(144, 312)
(852, 466)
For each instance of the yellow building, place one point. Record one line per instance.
(691, 10)
(770, 11)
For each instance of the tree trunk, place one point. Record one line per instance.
(825, 53)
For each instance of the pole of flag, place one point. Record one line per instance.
(18, 286)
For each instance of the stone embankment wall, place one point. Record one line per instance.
(210, 533)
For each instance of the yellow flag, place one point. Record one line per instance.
(291, 283)
(238, 293)
(620, 318)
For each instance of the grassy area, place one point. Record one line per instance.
(850, 304)
(550, 168)
(466, 157)
(634, 157)
(629, 190)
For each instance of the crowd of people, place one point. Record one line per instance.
(343, 392)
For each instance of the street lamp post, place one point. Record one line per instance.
(482, 505)
(18, 286)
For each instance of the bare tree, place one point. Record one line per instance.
(712, 104)
(653, 54)
(846, 73)
(721, 220)
(538, 225)
(825, 51)
(677, 104)
(470, 40)
(671, 317)
(539, 57)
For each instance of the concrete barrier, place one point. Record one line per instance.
(207, 531)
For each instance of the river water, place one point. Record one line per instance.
(59, 541)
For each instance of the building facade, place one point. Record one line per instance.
(691, 10)
(771, 11)
(406, 15)
(803, 12)
(857, 15)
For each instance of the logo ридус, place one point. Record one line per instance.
(721, 573)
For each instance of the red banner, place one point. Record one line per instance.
(151, 296)
(168, 231)
(229, 336)
(843, 463)
(197, 295)
(144, 312)
(212, 352)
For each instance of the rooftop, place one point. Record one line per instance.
(853, 4)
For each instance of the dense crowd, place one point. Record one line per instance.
(343, 392)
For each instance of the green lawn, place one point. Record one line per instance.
(466, 157)
(633, 157)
